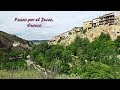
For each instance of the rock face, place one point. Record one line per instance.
(68, 37)
(113, 31)
(15, 44)
(108, 23)
(9, 41)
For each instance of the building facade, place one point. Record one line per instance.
(95, 22)
(107, 19)
(117, 18)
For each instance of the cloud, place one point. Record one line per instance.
(63, 21)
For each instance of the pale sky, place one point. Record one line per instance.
(63, 21)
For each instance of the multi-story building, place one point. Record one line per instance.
(108, 23)
(95, 22)
(117, 18)
(107, 19)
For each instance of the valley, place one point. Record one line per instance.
(91, 51)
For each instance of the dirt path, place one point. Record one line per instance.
(45, 73)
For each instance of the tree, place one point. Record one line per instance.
(42, 47)
(117, 42)
(40, 59)
(64, 68)
(54, 53)
(104, 36)
(66, 56)
(97, 70)
(49, 55)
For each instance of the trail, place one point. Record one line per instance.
(46, 74)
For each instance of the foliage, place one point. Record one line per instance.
(97, 70)
(89, 60)
(95, 60)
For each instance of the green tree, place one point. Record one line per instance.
(40, 60)
(55, 52)
(66, 56)
(97, 70)
(42, 47)
(64, 68)
(117, 42)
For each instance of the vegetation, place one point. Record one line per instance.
(13, 59)
(70, 33)
(84, 31)
(80, 59)
(87, 60)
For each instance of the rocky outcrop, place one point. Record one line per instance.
(68, 37)
(113, 31)
(108, 23)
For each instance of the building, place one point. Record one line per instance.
(117, 18)
(107, 23)
(107, 19)
(95, 22)
(87, 25)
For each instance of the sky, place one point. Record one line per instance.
(62, 21)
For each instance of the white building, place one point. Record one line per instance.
(95, 22)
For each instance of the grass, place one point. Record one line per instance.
(32, 74)
(63, 76)
(21, 74)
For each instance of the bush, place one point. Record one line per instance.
(97, 70)
(96, 60)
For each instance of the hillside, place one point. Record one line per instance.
(13, 51)
(108, 23)
(68, 37)
(8, 41)
(88, 52)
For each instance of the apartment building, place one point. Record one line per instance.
(95, 22)
(117, 18)
(107, 19)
